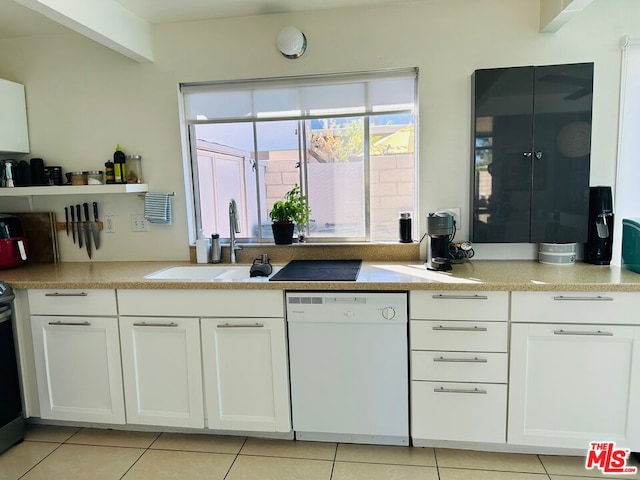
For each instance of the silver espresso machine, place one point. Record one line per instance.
(440, 229)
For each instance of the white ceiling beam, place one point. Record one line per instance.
(554, 14)
(104, 21)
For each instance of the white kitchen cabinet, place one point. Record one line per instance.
(162, 371)
(78, 369)
(245, 374)
(458, 367)
(244, 353)
(14, 135)
(572, 384)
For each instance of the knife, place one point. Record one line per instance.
(66, 220)
(96, 227)
(87, 228)
(79, 225)
(73, 224)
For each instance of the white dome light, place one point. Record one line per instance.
(291, 42)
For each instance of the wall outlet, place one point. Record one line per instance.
(455, 212)
(139, 223)
(109, 224)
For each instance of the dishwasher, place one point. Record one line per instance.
(349, 366)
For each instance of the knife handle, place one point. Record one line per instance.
(95, 211)
(73, 215)
(85, 205)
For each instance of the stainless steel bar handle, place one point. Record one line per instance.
(459, 390)
(459, 297)
(464, 360)
(587, 299)
(73, 324)
(155, 324)
(58, 294)
(240, 325)
(461, 329)
(599, 333)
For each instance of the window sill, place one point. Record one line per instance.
(280, 254)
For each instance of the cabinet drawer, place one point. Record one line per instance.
(73, 302)
(442, 305)
(458, 336)
(202, 303)
(459, 367)
(469, 412)
(575, 307)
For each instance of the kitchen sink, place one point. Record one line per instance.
(205, 272)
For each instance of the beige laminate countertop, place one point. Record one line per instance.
(475, 275)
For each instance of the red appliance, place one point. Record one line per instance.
(13, 244)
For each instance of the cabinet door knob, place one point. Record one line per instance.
(526, 154)
(538, 155)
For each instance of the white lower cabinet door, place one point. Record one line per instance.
(245, 374)
(573, 384)
(162, 371)
(78, 368)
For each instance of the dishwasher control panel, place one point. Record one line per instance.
(360, 307)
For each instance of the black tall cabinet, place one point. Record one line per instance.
(531, 154)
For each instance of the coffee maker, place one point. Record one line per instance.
(440, 228)
(597, 250)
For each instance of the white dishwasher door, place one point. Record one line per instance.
(349, 366)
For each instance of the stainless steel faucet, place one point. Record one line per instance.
(233, 229)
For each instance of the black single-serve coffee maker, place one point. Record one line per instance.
(597, 250)
(440, 228)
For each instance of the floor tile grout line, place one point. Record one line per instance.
(244, 442)
(41, 460)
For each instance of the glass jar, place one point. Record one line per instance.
(78, 178)
(95, 177)
(134, 168)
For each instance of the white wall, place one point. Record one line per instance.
(83, 98)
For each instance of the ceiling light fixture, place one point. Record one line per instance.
(291, 42)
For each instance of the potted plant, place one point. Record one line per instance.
(293, 208)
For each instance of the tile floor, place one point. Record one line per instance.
(64, 453)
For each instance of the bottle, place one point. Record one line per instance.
(202, 247)
(119, 165)
(216, 249)
(405, 227)
(109, 173)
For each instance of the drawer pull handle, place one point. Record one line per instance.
(585, 299)
(459, 297)
(240, 325)
(461, 329)
(462, 360)
(599, 333)
(155, 324)
(58, 294)
(74, 324)
(459, 390)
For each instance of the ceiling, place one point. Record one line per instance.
(18, 21)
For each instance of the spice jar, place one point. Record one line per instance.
(134, 168)
(78, 178)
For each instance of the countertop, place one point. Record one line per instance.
(505, 275)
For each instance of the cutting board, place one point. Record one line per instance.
(40, 229)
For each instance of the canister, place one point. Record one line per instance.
(78, 178)
(95, 177)
(134, 168)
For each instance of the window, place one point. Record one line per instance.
(347, 140)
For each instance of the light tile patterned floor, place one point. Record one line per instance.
(63, 453)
